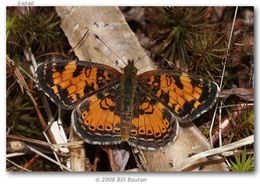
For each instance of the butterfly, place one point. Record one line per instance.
(110, 107)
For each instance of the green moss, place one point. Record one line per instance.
(242, 163)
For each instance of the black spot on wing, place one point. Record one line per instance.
(188, 106)
(153, 101)
(89, 88)
(101, 79)
(195, 82)
(100, 95)
(178, 82)
(205, 92)
(77, 72)
(165, 97)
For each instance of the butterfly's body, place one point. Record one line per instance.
(110, 107)
(128, 84)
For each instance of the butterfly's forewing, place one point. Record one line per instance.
(153, 125)
(186, 96)
(95, 119)
(67, 83)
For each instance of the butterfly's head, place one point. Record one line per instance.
(130, 68)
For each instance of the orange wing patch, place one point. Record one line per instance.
(68, 83)
(187, 97)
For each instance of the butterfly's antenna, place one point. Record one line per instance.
(80, 42)
(96, 36)
(140, 58)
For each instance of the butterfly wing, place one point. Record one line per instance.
(186, 96)
(153, 125)
(69, 82)
(95, 119)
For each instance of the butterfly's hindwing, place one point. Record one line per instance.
(95, 119)
(153, 125)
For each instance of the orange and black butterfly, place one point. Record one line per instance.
(110, 107)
